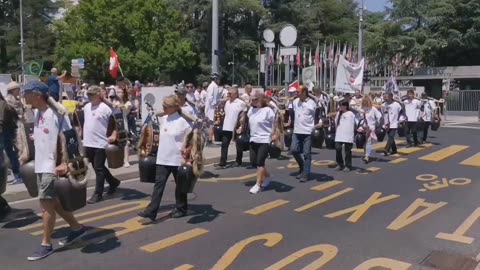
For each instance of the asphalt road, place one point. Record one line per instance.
(390, 213)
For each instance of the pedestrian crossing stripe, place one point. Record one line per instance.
(266, 207)
(412, 150)
(398, 160)
(472, 161)
(444, 153)
(378, 146)
(174, 240)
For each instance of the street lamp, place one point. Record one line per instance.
(22, 44)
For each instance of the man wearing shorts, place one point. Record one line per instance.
(48, 124)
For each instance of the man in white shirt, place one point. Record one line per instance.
(392, 112)
(427, 113)
(304, 124)
(97, 117)
(48, 125)
(212, 99)
(186, 106)
(233, 108)
(412, 110)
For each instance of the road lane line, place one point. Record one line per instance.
(368, 171)
(327, 185)
(173, 240)
(266, 207)
(184, 267)
(444, 153)
(412, 150)
(323, 200)
(472, 161)
(229, 179)
(398, 160)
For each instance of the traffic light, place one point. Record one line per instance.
(366, 76)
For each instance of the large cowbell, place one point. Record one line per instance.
(147, 163)
(217, 133)
(274, 151)
(186, 178)
(3, 175)
(72, 190)
(318, 137)
(288, 137)
(27, 155)
(243, 142)
(330, 140)
(115, 152)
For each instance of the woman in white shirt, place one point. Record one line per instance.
(173, 129)
(345, 132)
(261, 120)
(372, 118)
(123, 102)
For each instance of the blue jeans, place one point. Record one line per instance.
(302, 143)
(11, 149)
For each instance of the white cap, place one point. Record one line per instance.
(102, 83)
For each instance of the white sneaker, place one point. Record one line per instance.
(255, 189)
(126, 164)
(266, 181)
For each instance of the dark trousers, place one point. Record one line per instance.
(391, 147)
(412, 134)
(426, 126)
(3, 206)
(302, 143)
(226, 139)
(348, 154)
(11, 150)
(161, 176)
(97, 157)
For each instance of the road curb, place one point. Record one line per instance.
(22, 195)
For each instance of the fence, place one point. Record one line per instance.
(463, 101)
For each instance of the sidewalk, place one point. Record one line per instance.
(456, 119)
(211, 155)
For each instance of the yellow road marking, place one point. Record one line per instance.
(369, 170)
(472, 161)
(266, 207)
(378, 146)
(323, 200)
(184, 267)
(444, 153)
(408, 216)
(327, 185)
(398, 160)
(229, 179)
(137, 205)
(459, 234)
(383, 263)
(412, 150)
(173, 240)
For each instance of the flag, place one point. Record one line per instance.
(344, 53)
(299, 61)
(337, 53)
(317, 54)
(310, 57)
(324, 53)
(279, 57)
(271, 58)
(331, 52)
(295, 84)
(114, 64)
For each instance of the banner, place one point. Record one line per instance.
(349, 76)
(309, 74)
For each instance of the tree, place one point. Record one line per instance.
(147, 35)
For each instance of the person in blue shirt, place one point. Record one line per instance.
(53, 84)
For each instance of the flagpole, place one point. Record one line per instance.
(120, 68)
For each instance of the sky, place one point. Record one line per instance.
(376, 5)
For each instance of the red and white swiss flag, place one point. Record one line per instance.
(114, 64)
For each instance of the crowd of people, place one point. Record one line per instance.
(262, 122)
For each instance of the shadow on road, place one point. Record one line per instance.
(97, 240)
(20, 218)
(202, 213)
(275, 186)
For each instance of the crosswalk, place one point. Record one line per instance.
(444, 153)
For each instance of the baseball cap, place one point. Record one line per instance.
(205, 85)
(102, 83)
(12, 85)
(36, 85)
(181, 91)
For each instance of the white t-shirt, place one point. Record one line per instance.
(261, 124)
(274, 105)
(232, 111)
(96, 124)
(372, 117)
(211, 100)
(392, 114)
(45, 135)
(412, 109)
(189, 109)
(304, 116)
(173, 129)
(346, 129)
(429, 109)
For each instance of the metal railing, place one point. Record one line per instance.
(463, 101)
